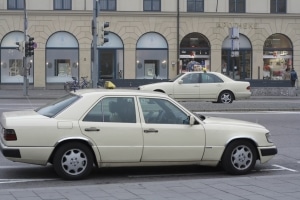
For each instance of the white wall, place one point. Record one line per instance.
(258, 6)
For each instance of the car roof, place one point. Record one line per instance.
(103, 91)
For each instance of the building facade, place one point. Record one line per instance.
(149, 39)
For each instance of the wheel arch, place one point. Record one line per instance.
(252, 141)
(226, 90)
(83, 141)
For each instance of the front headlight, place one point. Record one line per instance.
(268, 137)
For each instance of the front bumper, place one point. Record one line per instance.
(267, 153)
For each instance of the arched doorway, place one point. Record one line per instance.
(151, 57)
(194, 50)
(111, 58)
(237, 67)
(62, 58)
(278, 57)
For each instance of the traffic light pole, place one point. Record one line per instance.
(25, 81)
(95, 68)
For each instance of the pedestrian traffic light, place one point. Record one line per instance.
(20, 47)
(103, 33)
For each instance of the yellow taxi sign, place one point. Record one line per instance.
(109, 85)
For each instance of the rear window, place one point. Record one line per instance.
(53, 108)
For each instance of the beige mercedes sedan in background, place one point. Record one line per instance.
(202, 86)
(114, 128)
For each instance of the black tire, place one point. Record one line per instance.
(226, 97)
(239, 157)
(73, 161)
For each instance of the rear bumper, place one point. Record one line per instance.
(9, 152)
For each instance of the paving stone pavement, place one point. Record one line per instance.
(279, 187)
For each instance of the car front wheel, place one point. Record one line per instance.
(226, 97)
(73, 161)
(239, 157)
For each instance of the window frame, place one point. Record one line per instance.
(236, 8)
(152, 4)
(107, 8)
(62, 7)
(16, 2)
(195, 5)
(274, 4)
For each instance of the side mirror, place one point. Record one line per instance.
(192, 120)
(180, 81)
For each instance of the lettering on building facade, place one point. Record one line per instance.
(239, 25)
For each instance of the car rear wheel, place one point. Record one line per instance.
(239, 157)
(226, 97)
(73, 161)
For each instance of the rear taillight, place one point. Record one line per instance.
(9, 134)
(248, 88)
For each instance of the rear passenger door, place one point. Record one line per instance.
(113, 124)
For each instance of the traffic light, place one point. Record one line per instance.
(103, 33)
(20, 47)
(29, 47)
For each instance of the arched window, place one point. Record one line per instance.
(12, 59)
(151, 57)
(237, 67)
(62, 59)
(194, 50)
(278, 57)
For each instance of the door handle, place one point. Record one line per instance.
(92, 129)
(151, 130)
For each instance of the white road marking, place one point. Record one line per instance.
(5, 181)
(285, 168)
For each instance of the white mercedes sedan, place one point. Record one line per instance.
(203, 86)
(113, 128)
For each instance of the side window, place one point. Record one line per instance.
(160, 111)
(113, 109)
(210, 78)
(191, 78)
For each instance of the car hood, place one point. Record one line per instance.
(231, 122)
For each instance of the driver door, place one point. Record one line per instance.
(167, 134)
(188, 87)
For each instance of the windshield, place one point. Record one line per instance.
(53, 108)
(174, 79)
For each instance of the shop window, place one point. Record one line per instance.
(152, 57)
(62, 4)
(278, 57)
(62, 67)
(108, 5)
(278, 6)
(152, 5)
(62, 62)
(237, 6)
(15, 4)
(195, 5)
(194, 52)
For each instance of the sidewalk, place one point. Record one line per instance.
(285, 187)
(55, 93)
